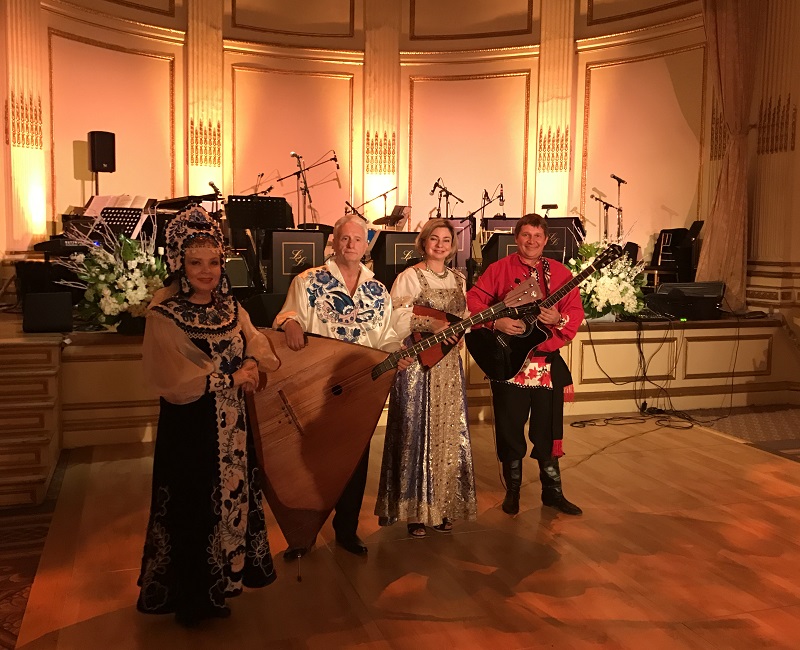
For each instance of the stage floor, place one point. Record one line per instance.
(689, 539)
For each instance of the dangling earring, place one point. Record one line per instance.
(186, 288)
(224, 286)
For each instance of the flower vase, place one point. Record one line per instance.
(130, 325)
(610, 317)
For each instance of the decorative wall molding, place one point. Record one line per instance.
(553, 154)
(719, 130)
(592, 20)
(595, 65)
(169, 59)
(414, 36)
(777, 125)
(235, 22)
(205, 144)
(24, 119)
(169, 10)
(109, 22)
(380, 153)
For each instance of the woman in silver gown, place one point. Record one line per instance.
(427, 476)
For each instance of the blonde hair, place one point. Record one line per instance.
(428, 229)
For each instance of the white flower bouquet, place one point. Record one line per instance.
(119, 275)
(614, 289)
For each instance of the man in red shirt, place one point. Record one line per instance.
(536, 394)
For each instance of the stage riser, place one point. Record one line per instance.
(95, 394)
(29, 416)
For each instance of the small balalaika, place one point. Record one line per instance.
(501, 356)
(316, 415)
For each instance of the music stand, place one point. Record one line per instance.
(122, 220)
(256, 215)
(398, 217)
(259, 212)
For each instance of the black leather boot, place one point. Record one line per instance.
(512, 475)
(552, 495)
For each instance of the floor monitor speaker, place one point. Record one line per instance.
(47, 312)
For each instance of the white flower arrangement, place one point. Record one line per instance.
(614, 289)
(119, 275)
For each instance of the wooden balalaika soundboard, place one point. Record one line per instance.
(314, 419)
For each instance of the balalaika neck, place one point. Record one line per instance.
(454, 330)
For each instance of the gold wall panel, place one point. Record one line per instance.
(29, 356)
(606, 11)
(712, 357)
(619, 359)
(329, 18)
(28, 387)
(315, 116)
(158, 7)
(17, 419)
(137, 104)
(470, 150)
(464, 19)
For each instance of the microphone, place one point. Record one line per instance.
(485, 196)
(215, 188)
(618, 179)
(336, 160)
(502, 200)
(294, 154)
(435, 185)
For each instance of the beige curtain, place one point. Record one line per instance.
(731, 32)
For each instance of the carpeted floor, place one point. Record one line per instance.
(774, 428)
(23, 532)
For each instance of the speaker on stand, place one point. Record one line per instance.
(102, 155)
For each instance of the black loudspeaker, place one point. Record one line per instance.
(564, 238)
(238, 273)
(264, 307)
(102, 156)
(688, 300)
(292, 252)
(392, 251)
(500, 245)
(47, 312)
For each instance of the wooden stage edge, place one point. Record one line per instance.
(689, 539)
(87, 389)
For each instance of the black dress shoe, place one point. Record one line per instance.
(352, 544)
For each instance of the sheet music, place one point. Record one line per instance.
(97, 203)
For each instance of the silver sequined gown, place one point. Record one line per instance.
(427, 473)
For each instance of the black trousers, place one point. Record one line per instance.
(516, 406)
(348, 507)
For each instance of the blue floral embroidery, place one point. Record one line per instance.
(353, 317)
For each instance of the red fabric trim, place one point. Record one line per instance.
(569, 393)
(558, 448)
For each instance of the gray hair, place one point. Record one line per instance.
(349, 218)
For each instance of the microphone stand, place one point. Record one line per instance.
(619, 207)
(354, 210)
(375, 198)
(606, 206)
(443, 191)
(302, 182)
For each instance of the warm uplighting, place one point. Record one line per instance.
(30, 222)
